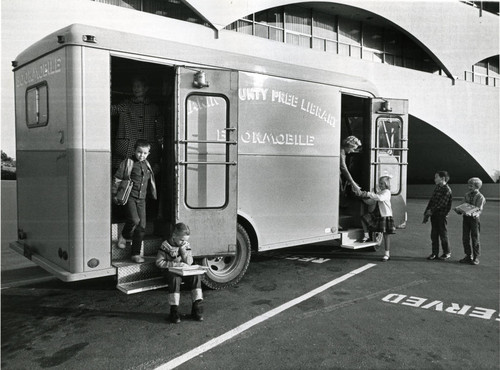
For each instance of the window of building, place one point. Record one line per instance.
(485, 72)
(311, 28)
(298, 26)
(349, 38)
(324, 31)
(168, 8)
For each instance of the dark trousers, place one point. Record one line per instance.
(439, 232)
(470, 230)
(193, 283)
(174, 282)
(135, 223)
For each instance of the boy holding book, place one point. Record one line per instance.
(176, 252)
(139, 171)
(471, 210)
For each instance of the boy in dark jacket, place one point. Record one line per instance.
(140, 172)
(437, 210)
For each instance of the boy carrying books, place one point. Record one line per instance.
(471, 210)
(176, 252)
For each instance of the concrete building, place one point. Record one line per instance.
(442, 56)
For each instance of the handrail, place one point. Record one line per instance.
(207, 142)
(217, 163)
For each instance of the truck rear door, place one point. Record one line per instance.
(206, 158)
(389, 150)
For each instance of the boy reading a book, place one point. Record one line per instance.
(176, 252)
(471, 224)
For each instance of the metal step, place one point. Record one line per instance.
(349, 238)
(149, 247)
(143, 285)
(136, 277)
(128, 271)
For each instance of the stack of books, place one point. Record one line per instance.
(467, 209)
(188, 270)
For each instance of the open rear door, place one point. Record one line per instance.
(389, 151)
(206, 164)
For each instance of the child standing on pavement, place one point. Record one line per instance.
(437, 210)
(176, 252)
(140, 172)
(471, 224)
(380, 219)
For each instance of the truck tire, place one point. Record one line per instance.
(377, 238)
(227, 271)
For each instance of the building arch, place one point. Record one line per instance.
(456, 54)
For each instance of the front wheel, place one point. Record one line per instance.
(227, 271)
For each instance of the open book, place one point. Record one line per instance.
(188, 270)
(467, 209)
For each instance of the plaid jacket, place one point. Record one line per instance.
(440, 202)
(138, 120)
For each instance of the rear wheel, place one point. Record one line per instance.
(227, 271)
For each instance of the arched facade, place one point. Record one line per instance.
(462, 113)
(461, 40)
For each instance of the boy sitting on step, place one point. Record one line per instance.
(176, 252)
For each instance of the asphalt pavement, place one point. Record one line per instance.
(309, 307)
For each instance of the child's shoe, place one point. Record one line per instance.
(137, 259)
(364, 239)
(386, 258)
(174, 315)
(466, 259)
(122, 242)
(197, 310)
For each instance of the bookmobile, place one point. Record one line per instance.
(250, 155)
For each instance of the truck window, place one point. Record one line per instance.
(389, 154)
(206, 172)
(37, 105)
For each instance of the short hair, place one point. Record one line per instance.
(351, 141)
(476, 181)
(142, 144)
(386, 180)
(181, 229)
(444, 174)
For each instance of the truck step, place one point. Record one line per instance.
(149, 247)
(128, 271)
(349, 238)
(143, 285)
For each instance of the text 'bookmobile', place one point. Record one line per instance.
(250, 157)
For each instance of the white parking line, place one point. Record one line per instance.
(245, 326)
